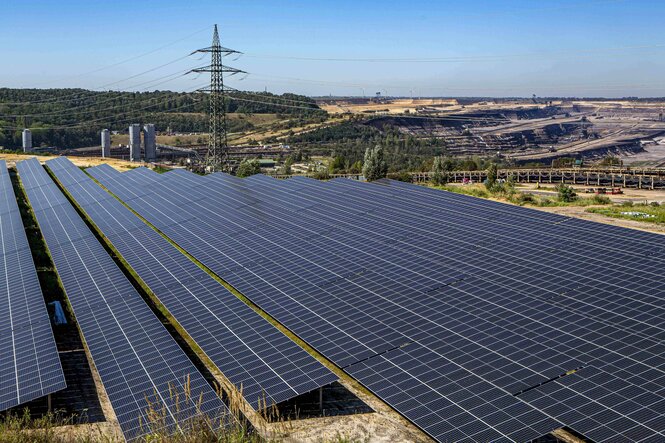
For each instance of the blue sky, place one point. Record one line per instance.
(482, 47)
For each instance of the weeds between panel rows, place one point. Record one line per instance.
(199, 428)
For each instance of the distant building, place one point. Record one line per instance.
(150, 143)
(106, 143)
(27, 140)
(135, 142)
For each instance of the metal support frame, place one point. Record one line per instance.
(217, 157)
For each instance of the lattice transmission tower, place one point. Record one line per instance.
(217, 157)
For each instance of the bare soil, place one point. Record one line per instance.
(580, 212)
(121, 165)
(381, 426)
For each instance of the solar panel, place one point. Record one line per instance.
(505, 281)
(137, 359)
(341, 338)
(29, 362)
(252, 353)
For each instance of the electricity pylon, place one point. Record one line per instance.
(217, 157)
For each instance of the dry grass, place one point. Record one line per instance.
(121, 165)
(57, 428)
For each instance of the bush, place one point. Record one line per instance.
(601, 200)
(356, 168)
(565, 193)
(248, 167)
(321, 174)
(404, 176)
(523, 198)
(546, 202)
(655, 204)
(439, 172)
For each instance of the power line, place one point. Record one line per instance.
(463, 59)
(89, 93)
(87, 122)
(96, 103)
(596, 85)
(276, 97)
(127, 60)
(448, 117)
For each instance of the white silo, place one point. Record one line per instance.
(27, 140)
(135, 142)
(149, 143)
(106, 143)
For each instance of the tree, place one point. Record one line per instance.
(492, 174)
(374, 166)
(565, 193)
(337, 164)
(439, 172)
(356, 168)
(286, 169)
(509, 186)
(248, 167)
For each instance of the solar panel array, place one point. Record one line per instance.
(29, 363)
(476, 320)
(251, 352)
(137, 359)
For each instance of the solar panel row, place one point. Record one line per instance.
(137, 360)
(252, 353)
(607, 345)
(29, 363)
(335, 304)
(531, 297)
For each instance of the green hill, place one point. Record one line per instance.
(72, 118)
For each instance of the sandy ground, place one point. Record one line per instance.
(382, 426)
(120, 165)
(580, 212)
(634, 195)
(654, 155)
(629, 194)
(397, 106)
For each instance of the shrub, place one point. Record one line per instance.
(601, 200)
(248, 167)
(439, 174)
(565, 193)
(321, 174)
(404, 176)
(523, 198)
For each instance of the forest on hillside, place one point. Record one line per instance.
(72, 118)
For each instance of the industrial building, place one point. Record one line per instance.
(135, 142)
(149, 142)
(27, 140)
(106, 143)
